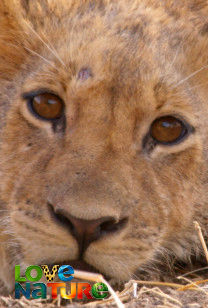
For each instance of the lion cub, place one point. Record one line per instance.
(104, 133)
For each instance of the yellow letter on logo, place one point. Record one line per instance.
(50, 276)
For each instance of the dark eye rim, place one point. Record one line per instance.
(29, 96)
(186, 131)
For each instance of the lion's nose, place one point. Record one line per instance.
(88, 231)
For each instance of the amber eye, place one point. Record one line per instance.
(168, 130)
(47, 106)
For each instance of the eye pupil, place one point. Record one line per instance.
(47, 106)
(167, 130)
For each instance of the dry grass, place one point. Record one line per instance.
(193, 294)
(190, 292)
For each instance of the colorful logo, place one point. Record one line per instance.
(30, 287)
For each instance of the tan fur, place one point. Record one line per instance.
(140, 53)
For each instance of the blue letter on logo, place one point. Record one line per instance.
(66, 270)
(19, 289)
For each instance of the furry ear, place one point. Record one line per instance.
(11, 37)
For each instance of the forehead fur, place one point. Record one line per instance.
(125, 29)
(121, 42)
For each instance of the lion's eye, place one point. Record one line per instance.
(47, 106)
(168, 130)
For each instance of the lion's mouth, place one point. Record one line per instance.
(80, 265)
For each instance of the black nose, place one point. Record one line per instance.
(88, 231)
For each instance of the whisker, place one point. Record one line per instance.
(174, 59)
(190, 76)
(52, 50)
(56, 53)
(38, 55)
(197, 86)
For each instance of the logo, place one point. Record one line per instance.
(30, 287)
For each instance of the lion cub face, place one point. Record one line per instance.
(104, 151)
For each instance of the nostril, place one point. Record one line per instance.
(112, 226)
(59, 218)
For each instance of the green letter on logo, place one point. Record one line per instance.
(38, 270)
(17, 274)
(99, 290)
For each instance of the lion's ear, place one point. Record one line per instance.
(11, 38)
